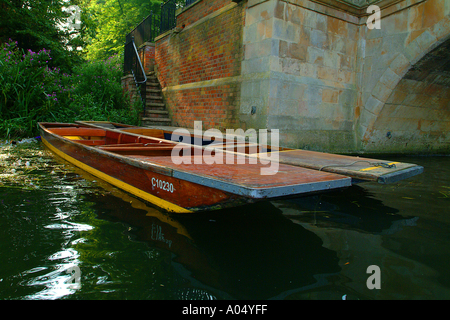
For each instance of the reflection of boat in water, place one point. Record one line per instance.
(257, 251)
(362, 231)
(251, 252)
(353, 209)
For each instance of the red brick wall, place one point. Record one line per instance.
(214, 106)
(199, 10)
(208, 51)
(129, 87)
(147, 55)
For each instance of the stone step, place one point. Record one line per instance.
(155, 108)
(156, 114)
(157, 111)
(158, 119)
(153, 97)
(155, 104)
(155, 121)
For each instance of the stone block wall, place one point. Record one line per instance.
(299, 71)
(329, 83)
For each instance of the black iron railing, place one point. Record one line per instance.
(146, 31)
(189, 2)
(154, 25)
(150, 27)
(168, 20)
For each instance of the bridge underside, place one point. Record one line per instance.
(317, 73)
(416, 116)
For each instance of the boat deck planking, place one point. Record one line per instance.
(231, 176)
(356, 167)
(359, 168)
(200, 184)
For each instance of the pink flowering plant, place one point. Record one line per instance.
(32, 91)
(22, 87)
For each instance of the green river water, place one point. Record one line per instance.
(67, 235)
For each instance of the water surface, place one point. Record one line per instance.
(57, 220)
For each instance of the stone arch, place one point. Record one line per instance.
(381, 100)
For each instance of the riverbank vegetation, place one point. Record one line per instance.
(32, 91)
(61, 61)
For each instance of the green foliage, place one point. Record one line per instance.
(32, 91)
(114, 20)
(43, 77)
(22, 88)
(39, 24)
(101, 79)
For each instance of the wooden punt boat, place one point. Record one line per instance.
(139, 161)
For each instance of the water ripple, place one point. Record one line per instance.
(69, 225)
(57, 283)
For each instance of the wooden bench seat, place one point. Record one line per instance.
(155, 133)
(91, 142)
(80, 132)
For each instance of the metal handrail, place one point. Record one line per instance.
(140, 63)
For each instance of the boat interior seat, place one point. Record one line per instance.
(78, 132)
(156, 133)
(95, 142)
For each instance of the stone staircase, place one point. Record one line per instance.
(155, 113)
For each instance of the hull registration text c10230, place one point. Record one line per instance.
(164, 185)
